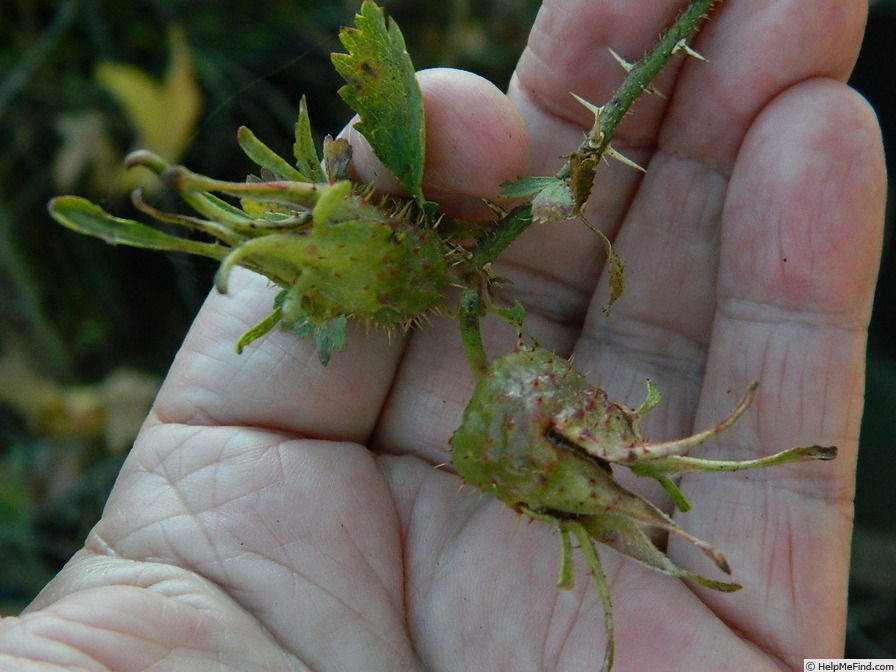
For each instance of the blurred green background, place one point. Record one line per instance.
(87, 330)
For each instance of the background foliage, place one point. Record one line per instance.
(88, 330)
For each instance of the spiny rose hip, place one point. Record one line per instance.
(543, 440)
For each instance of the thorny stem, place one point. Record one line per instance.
(492, 244)
(638, 80)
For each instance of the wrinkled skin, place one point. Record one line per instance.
(277, 515)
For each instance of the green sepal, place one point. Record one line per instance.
(675, 494)
(265, 157)
(79, 214)
(681, 464)
(654, 396)
(329, 337)
(626, 537)
(185, 181)
(514, 315)
(279, 254)
(206, 204)
(382, 88)
(330, 201)
(212, 228)
(307, 159)
(258, 330)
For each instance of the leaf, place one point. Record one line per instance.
(616, 273)
(86, 149)
(307, 160)
(514, 315)
(553, 204)
(382, 89)
(626, 537)
(330, 337)
(79, 214)
(525, 186)
(616, 267)
(163, 114)
(654, 396)
(265, 157)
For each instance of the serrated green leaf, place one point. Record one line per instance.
(382, 89)
(307, 159)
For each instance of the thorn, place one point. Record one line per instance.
(621, 61)
(404, 212)
(594, 109)
(682, 45)
(609, 151)
(495, 208)
(650, 88)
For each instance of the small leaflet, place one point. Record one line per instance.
(525, 186)
(553, 204)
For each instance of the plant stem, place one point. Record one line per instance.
(578, 171)
(638, 80)
(492, 244)
(470, 315)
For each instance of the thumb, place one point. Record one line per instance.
(475, 140)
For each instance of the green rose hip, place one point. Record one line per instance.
(543, 440)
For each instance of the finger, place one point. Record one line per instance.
(755, 50)
(800, 250)
(277, 381)
(569, 52)
(660, 329)
(475, 141)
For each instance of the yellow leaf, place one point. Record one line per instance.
(163, 114)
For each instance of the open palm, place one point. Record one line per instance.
(279, 515)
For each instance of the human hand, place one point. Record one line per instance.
(275, 514)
